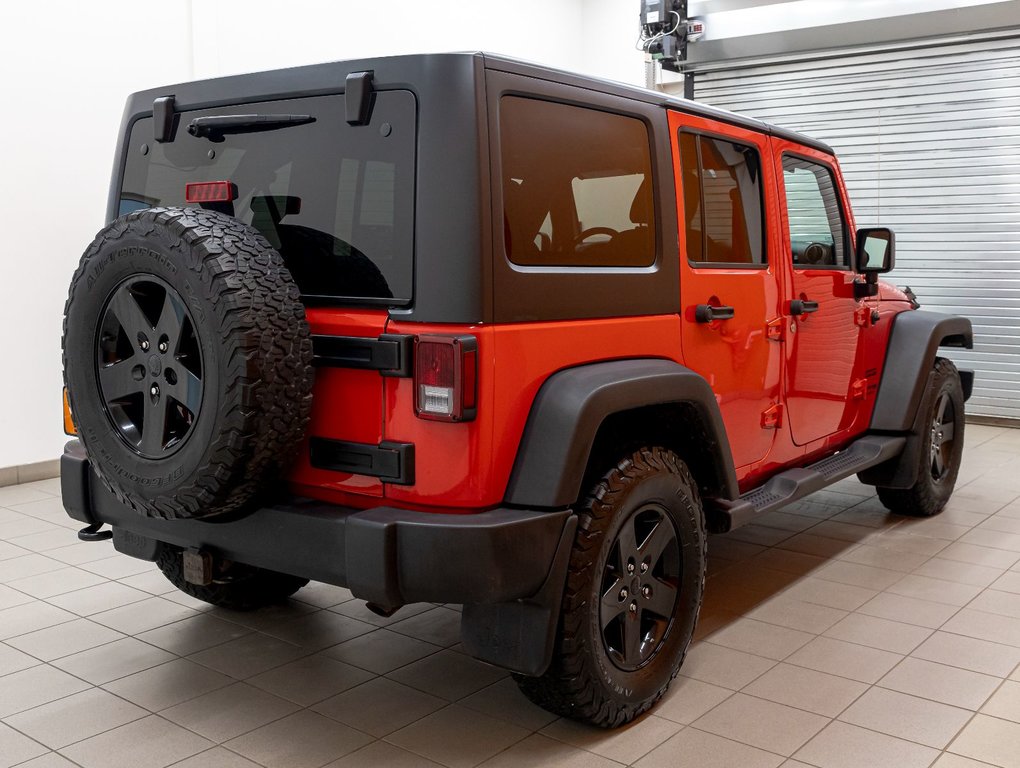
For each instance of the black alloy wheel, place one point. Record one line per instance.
(640, 588)
(943, 433)
(149, 366)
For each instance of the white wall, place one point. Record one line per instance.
(69, 65)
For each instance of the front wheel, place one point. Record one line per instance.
(633, 592)
(941, 449)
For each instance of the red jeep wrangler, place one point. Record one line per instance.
(460, 329)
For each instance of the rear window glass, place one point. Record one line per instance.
(577, 186)
(336, 200)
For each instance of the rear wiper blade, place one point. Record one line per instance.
(215, 126)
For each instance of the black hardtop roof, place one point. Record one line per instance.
(407, 69)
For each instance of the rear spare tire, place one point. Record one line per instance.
(187, 360)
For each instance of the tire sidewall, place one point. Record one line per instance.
(948, 384)
(669, 491)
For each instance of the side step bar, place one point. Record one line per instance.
(794, 484)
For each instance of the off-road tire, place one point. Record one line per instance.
(582, 681)
(256, 358)
(238, 587)
(929, 495)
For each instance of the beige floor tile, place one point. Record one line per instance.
(760, 534)
(624, 745)
(80, 553)
(75, 717)
(857, 575)
(151, 581)
(64, 639)
(842, 745)
(148, 743)
(310, 679)
(439, 626)
(986, 536)
(963, 573)
(457, 737)
(797, 614)
(10, 495)
(994, 601)
(380, 706)
(763, 724)
(856, 662)
(812, 544)
(723, 666)
(1005, 702)
(16, 748)
(114, 660)
(30, 617)
(52, 760)
(249, 655)
(23, 526)
(217, 757)
(947, 760)
(909, 610)
(784, 521)
(806, 689)
(787, 560)
(381, 651)
(448, 674)
(168, 684)
(504, 700)
(907, 717)
(228, 712)
(688, 699)
(935, 590)
(896, 540)
(36, 686)
(379, 754)
(101, 597)
(768, 640)
(302, 740)
(47, 540)
(538, 751)
(985, 626)
(319, 630)
(194, 634)
(692, 747)
(118, 567)
(144, 615)
(11, 597)
(939, 682)
(845, 597)
(879, 633)
(886, 558)
(267, 617)
(724, 547)
(990, 740)
(969, 653)
(934, 529)
(358, 609)
(835, 529)
(1008, 582)
(322, 595)
(12, 660)
(978, 555)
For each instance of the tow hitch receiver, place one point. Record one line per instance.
(198, 567)
(94, 532)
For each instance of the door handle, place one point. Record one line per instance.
(803, 307)
(706, 313)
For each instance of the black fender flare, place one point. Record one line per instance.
(572, 404)
(913, 343)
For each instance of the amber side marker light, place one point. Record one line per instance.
(69, 428)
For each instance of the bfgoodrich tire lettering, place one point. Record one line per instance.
(587, 680)
(255, 351)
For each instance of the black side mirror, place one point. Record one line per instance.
(876, 251)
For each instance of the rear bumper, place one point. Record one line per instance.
(383, 555)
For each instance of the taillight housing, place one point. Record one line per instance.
(445, 377)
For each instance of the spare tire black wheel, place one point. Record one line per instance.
(187, 360)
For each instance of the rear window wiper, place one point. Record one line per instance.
(214, 127)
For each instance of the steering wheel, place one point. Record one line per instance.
(591, 232)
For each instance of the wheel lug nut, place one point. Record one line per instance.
(644, 567)
(145, 345)
(623, 594)
(632, 608)
(163, 347)
(630, 567)
(154, 391)
(646, 592)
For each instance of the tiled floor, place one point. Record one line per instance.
(833, 635)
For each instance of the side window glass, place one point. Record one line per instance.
(722, 202)
(817, 233)
(577, 186)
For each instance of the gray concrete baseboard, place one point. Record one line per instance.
(27, 473)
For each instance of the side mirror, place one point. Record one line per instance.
(876, 251)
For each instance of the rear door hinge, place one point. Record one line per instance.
(772, 417)
(775, 330)
(859, 388)
(862, 316)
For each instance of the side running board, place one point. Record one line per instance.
(794, 484)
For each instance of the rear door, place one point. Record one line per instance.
(729, 289)
(336, 200)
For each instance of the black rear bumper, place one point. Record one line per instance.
(384, 555)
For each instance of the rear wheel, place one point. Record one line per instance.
(634, 589)
(235, 585)
(941, 449)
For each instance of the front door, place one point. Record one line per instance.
(729, 292)
(823, 338)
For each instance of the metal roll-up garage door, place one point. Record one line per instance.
(929, 143)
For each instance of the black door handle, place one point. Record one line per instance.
(706, 313)
(803, 307)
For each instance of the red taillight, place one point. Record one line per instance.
(209, 192)
(445, 377)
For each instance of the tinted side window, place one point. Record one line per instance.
(722, 201)
(577, 186)
(817, 233)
